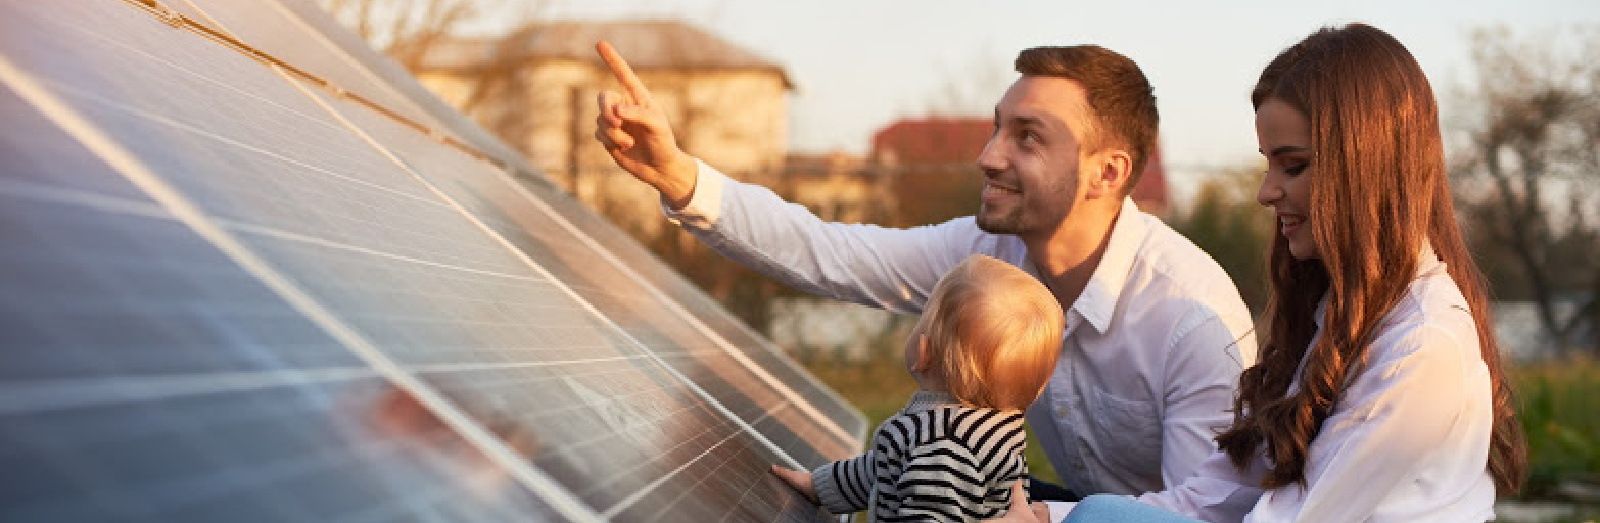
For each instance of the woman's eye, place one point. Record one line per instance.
(1295, 170)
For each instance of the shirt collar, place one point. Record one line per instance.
(922, 400)
(1099, 299)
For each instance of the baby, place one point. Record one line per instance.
(981, 353)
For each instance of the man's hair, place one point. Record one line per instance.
(994, 332)
(1120, 97)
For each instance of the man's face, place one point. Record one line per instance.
(1031, 163)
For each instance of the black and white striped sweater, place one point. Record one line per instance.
(935, 460)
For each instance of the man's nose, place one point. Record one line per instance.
(990, 158)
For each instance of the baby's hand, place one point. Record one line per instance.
(801, 481)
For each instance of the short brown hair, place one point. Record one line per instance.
(1123, 103)
(994, 332)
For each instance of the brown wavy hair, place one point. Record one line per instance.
(1378, 193)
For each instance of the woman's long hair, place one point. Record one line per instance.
(1378, 192)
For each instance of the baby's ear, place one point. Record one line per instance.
(921, 364)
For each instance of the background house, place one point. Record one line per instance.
(536, 88)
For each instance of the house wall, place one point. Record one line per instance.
(736, 120)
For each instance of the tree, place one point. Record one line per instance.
(1227, 223)
(1527, 171)
(407, 29)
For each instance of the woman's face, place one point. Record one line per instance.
(1285, 138)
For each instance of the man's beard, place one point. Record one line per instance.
(1009, 223)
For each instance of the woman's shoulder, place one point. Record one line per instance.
(1432, 316)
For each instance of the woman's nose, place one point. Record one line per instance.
(1270, 192)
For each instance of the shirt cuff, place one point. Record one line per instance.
(705, 205)
(828, 494)
(1059, 510)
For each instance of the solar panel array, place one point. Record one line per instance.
(250, 270)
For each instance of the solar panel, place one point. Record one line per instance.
(278, 282)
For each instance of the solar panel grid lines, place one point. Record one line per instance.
(482, 373)
(660, 299)
(392, 104)
(788, 392)
(790, 461)
(704, 309)
(119, 453)
(190, 214)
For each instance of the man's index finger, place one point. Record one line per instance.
(623, 72)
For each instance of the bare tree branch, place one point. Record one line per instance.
(1535, 139)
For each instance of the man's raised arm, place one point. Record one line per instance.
(634, 129)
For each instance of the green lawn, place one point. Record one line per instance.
(1560, 411)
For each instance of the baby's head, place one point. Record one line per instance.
(990, 335)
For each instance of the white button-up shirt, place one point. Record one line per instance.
(1152, 350)
(1408, 441)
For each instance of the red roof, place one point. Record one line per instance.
(1151, 192)
(931, 141)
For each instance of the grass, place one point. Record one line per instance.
(1559, 409)
(1560, 413)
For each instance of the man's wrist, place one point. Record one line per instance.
(679, 179)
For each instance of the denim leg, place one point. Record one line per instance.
(1106, 508)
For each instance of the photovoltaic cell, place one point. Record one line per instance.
(641, 310)
(147, 378)
(232, 295)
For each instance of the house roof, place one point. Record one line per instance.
(647, 44)
(1152, 186)
(933, 141)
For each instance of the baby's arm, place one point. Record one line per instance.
(801, 481)
(841, 487)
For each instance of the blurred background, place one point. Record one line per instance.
(875, 112)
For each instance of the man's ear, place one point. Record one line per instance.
(922, 362)
(1110, 173)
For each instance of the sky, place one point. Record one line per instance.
(859, 65)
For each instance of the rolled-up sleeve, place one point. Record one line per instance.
(891, 269)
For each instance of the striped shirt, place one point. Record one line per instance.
(935, 460)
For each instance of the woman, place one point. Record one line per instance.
(1379, 394)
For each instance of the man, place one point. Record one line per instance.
(1156, 334)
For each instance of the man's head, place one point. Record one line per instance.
(1079, 125)
(990, 335)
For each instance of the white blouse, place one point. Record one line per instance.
(1408, 441)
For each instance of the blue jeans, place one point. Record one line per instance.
(1106, 508)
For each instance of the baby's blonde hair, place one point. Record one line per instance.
(994, 332)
